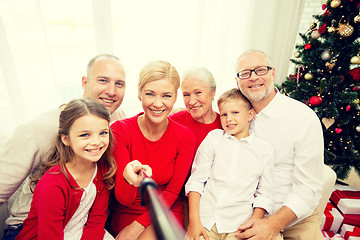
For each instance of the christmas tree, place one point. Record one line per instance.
(326, 78)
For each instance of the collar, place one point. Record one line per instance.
(249, 139)
(269, 110)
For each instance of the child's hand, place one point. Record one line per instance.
(195, 230)
(246, 225)
(133, 172)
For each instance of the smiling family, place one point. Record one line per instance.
(251, 171)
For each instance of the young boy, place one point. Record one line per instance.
(230, 180)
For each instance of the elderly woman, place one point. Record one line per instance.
(198, 88)
(149, 138)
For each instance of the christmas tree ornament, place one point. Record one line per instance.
(331, 29)
(341, 77)
(329, 65)
(308, 76)
(358, 128)
(328, 122)
(356, 101)
(297, 54)
(355, 60)
(335, 3)
(347, 108)
(345, 30)
(307, 46)
(312, 25)
(338, 130)
(357, 19)
(315, 101)
(355, 73)
(315, 34)
(325, 55)
(322, 28)
(301, 67)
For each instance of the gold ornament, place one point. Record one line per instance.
(308, 76)
(329, 65)
(297, 54)
(312, 25)
(335, 3)
(331, 29)
(345, 30)
(328, 122)
(357, 18)
(356, 101)
(355, 60)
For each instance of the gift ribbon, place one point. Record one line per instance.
(338, 194)
(354, 233)
(329, 218)
(352, 219)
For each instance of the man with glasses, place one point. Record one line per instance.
(296, 134)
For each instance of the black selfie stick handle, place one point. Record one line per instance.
(165, 225)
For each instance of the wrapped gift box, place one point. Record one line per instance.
(350, 232)
(347, 199)
(329, 235)
(352, 219)
(331, 219)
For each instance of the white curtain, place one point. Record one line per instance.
(45, 44)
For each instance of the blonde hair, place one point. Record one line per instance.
(233, 94)
(158, 70)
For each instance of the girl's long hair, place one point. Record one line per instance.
(63, 154)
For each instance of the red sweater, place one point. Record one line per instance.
(199, 129)
(55, 202)
(169, 157)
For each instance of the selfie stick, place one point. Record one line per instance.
(165, 225)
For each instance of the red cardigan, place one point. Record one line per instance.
(199, 129)
(170, 159)
(55, 202)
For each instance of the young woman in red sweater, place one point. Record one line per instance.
(71, 198)
(153, 139)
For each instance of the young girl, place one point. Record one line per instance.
(71, 198)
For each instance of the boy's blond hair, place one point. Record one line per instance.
(233, 94)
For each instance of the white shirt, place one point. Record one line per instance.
(296, 134)
(226, 172)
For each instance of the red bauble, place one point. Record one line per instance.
(315, 101)
(347, 108)
(308, 46)
(323, 6)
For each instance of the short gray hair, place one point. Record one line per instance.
(202, 74)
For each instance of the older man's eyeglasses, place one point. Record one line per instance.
(260, 71)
